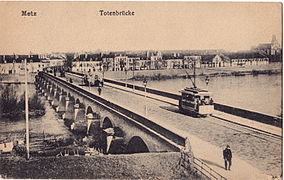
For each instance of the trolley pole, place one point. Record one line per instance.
(27, 112)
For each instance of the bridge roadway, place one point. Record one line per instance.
(207, 135)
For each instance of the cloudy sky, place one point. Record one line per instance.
(78, 26)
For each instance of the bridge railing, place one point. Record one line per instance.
(142, 88)
(260, 117)
(205, 170)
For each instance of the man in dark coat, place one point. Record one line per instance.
(227, 155)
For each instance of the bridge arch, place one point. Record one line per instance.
(89, 110)
(64, 92)
(136, 145)
(107, 123)
(77, 101)
(52, 90)
(56, 95)
(59, 90)
(71, 98)
(81, 105)
(57, 87)
(63, 101)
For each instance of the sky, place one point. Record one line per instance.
(78, 26)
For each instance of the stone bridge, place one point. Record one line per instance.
(120, 130)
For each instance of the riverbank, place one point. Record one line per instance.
(273, 68)
(131, 166)
(159, 76)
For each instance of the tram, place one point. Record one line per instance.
(195, 101)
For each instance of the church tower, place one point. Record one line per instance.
(275, 47)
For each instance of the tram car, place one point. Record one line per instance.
(195, 101)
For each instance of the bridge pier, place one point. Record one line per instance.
(80, 123)
(38, 90)
(93, 123)
(61, 108)
(109, 137)
(79, 113)
(69, 113)
(48, 92)
(55, 102)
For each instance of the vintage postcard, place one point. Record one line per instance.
(141, 90)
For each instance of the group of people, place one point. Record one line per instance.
(97, 83)
(206, 101)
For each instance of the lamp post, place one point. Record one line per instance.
(145, 85)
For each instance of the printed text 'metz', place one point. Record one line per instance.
(29, 13)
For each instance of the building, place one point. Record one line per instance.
(271, 50)
(174, 63)
(119, 63)
(15, 64)
(87, 66)
(218, 60)
(108, 62)
(248, 59)
(142, 64)
(188, 61)
(155, 60)
(131, 61)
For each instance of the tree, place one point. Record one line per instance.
(69, 61)
(12, 108)
(8, 99)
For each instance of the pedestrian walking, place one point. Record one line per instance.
(99, 90)
(227, 155)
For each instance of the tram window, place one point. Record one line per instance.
(188, 97)
(205, 100)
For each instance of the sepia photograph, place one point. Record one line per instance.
(141, 90)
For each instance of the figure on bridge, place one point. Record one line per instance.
(86, 80)
(99, 90)
(227, 155)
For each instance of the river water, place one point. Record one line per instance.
(261, 93)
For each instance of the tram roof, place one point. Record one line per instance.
(194, 90)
